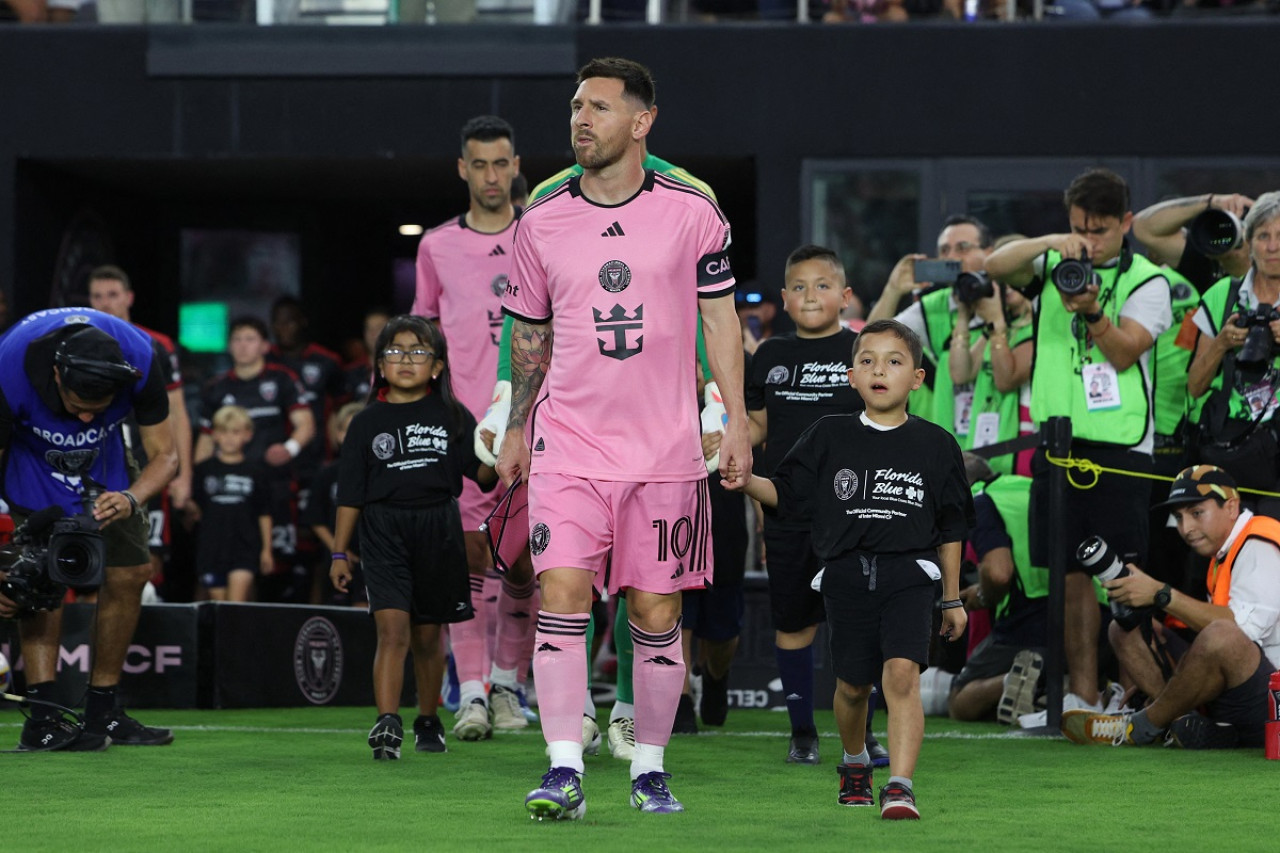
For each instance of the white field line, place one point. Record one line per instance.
(534, 731)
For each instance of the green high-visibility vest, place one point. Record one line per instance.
(988, 398)
(1011, 494)
(1171, 361)
(1063, 349)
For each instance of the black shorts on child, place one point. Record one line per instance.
(879, 606)
(414, 560)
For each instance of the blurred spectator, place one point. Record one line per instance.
(933, 317)
(1014, 589)
(1237, 429)
(358, 375)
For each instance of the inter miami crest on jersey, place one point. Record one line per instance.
(615, 276)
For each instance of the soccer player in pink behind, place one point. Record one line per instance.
(614, 267)
(463, 268)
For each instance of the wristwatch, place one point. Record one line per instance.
(1164, 596)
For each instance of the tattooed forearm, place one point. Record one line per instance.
(530, 358)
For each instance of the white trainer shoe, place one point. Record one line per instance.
(622, 738)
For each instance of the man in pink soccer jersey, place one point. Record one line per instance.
(615, 266)
(462, 273)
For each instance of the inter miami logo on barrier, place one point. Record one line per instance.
(317, 660)
(846, 484)
(539, 538)
(615, 276)
(619, 323)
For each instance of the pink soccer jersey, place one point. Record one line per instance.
(462, 274)
(620, 285)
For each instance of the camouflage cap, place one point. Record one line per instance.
(1199, 482)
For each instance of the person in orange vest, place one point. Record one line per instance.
(1208, 684)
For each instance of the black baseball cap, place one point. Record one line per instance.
(1194, 484)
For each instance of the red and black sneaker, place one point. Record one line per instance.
(897, 802)
(855, 785)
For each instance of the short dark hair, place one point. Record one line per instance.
(637, 81)
(110, 272)
(487, 129)
(812, 252)
(900, 330)
(984, 233)
(287, 302)
(1100, 192)
(248, 321)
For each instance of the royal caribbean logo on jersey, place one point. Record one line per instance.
(619, 324)
(268, 390)
(499, 285)
(317, 660)
(384, 445)
(615, 276)
(846, 484)
(539, 538)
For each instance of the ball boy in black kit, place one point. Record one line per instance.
(233, 502)
(399, 477)
(889, 508)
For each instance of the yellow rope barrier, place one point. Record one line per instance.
(1088, 466)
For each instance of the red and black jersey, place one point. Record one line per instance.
(269, 397)
(323, 383)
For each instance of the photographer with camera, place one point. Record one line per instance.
(74, 375)
(963, 245)
(1236, 359)
(1109, 308)
(1231, 643)
(996, 364)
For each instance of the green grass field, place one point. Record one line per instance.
(303, 779)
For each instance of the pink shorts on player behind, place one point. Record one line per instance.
(476, 505)
(655, 537)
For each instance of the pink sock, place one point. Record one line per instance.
(515, 617)
(467, 641)
(560, 673)
(492, 584)
(658, 676)
(526, 653)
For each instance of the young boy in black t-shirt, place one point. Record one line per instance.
(234, 505)
(889, 506)
(793, 381)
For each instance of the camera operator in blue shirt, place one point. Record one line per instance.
(71, 377)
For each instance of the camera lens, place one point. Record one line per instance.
(73, 561)
(1215, 232)
(1097, 559)
(1071, 276)
(969, 287)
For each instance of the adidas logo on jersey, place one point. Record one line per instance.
(614, 230)
(540, 445)
(497, 250)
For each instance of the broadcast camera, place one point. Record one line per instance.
(1259, 344)
(50, 552)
